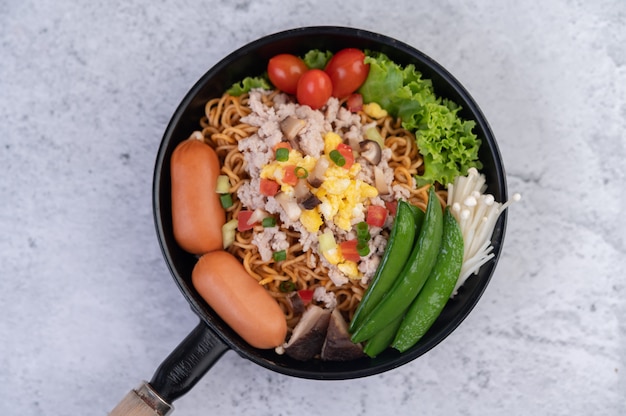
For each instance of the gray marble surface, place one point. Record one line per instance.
(89, 308)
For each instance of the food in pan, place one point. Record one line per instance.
(333, 185)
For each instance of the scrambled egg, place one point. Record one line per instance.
(342, 197)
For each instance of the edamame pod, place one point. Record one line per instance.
(437, 289)
(407, 222)
(413, 275)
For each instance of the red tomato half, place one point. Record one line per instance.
(289, 175)
(346, 152)
(284, 71)
(347, 71)
(306, 295)
(376, 215)
(268, 187)
(349, 251)
(242, 220)
(314, 88)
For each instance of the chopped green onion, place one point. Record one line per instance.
(301, 173)
(362, 248)
(287, 286)
(226, 200)
(280, 255)
(223, 184)
(337, 157)
(362, 231)
(282, 154)
(268, 222)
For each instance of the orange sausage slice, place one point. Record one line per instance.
(197, 214)
(239, 300)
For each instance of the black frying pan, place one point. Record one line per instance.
(212, 337)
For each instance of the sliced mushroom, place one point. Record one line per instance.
(311, 202)
(308, 336)
(291, 126)
(289, 205)
(316, 176)
(338, 346)
(380, 182)
(370, 151)
(297, 304)
(301, 190)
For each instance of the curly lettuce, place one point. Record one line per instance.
(248, 84)
(446, 141)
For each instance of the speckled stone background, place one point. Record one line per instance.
(89, 308)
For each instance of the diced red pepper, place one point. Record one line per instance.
(269, 187)
(392, 207)
(349, 251)
(355, 102)
(289, 175)
(242, 220)
(347, 153)
(376, 215)
(306, 295)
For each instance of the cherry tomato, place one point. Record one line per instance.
(285, 70)
(314, 88)
(347, 71)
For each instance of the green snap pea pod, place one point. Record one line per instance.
(411, 278)
(437, 290)
(382, 339)
(408, 220)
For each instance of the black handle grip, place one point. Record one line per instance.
(189, 361)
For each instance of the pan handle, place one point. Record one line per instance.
(176, 375)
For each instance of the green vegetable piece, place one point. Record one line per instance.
(363, 231)
(412, 277)
(282, 154)
(301, 173)
(382, 339)
(433, 297)
(316, 59)
(401, 239)
(268, 222)
(337, 158)
(226, 200)
(279, 255)
(362, 248)
(446, 141)
(223, 184)
(287, 286)
(248, 84)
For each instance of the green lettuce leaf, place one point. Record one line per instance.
(446, 142)
(316, 59)
(247, 84)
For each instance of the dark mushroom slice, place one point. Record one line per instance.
(296, 302)
(316, 176)
(308, 336)
(290, 127)
(338, 346)
(370, 151)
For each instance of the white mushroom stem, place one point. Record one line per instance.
(477, 214)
